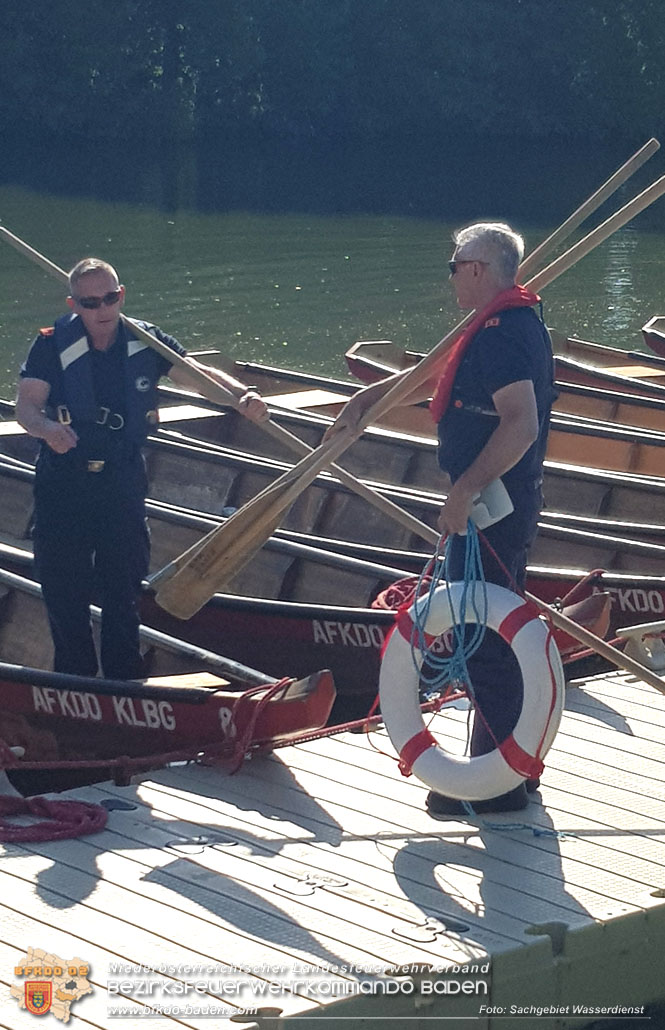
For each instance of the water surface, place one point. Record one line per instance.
(296, 288)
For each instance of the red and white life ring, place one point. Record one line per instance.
(519, 756)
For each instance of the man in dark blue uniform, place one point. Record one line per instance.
(492, 409)
(492, 400)
(88, 390)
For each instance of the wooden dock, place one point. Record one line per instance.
(314, 886)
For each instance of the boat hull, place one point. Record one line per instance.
(192, 700)
(73, 719)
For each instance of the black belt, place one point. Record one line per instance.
(105, 417)
(73, 462)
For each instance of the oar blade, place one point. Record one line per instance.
(209, 570)
(214, 564)
(230, 547)
(216, 559)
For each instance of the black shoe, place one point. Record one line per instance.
(512, 801)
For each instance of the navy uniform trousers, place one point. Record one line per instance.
(91, 543)
(494, 671)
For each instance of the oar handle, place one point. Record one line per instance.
(214, 391)
(406, 382)
(34, 255)
(589, 206)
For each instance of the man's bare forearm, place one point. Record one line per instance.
(33, 419)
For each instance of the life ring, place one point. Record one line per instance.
(517, 758)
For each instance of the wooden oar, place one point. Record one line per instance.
(601, 647)
(218, 394)
(578, 632)
(224, 551)
(588, 207)
(212, 390)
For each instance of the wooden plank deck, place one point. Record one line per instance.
(293, 887)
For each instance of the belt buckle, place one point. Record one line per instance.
(63, 414)
(105, 417)
(95, 465)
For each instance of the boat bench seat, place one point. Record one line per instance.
(188, 679)
(308, 400)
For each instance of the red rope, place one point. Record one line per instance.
(243, 745)
(402, 593)
(232, 752)
(400, 596)
(405, 761)
(63, 819)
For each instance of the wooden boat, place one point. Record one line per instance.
(585, 505)
(589, 427)
(582, 440)
(207, 476)
(614, 406)
(594, 428)
(578, 363)
(302, 392)
(617, 473)
(628, 363)
(194, 702)
(588, 440)
(372, 360)
(302, 605)
(602, 397)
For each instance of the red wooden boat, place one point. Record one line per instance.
(194, 704)
(302, 606)
(317, 618)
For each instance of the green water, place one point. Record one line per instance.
(295, 289)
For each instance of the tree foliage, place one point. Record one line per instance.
(153, 70)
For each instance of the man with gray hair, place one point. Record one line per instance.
(491, 404)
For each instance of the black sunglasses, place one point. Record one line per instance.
(90, 303)
(454, 265)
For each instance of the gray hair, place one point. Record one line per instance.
(496, 242)
(86, 267)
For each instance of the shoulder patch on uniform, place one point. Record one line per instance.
(48, 331)
(491, 322)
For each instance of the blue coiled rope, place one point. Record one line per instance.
(446, 669)
(439, 670)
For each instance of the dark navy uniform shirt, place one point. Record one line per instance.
(513, 346)
(109, 386)
(43, 362)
